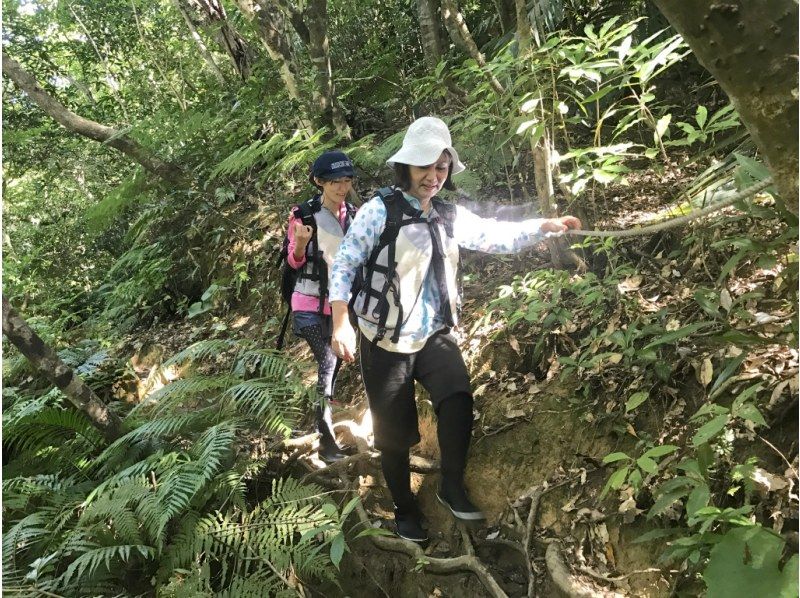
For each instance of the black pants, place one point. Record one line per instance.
(389, 381)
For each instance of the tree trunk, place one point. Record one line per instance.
(89, 128)
(459, 33)
(523, 28)
(560, 253)
(429, 32)
(212, 17)
(324, 95)
(204, 52)
(45, 359)
(751, 50)
(507, 13)
(271, 27)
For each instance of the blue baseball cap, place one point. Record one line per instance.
(332, 165)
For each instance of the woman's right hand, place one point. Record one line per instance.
(343, 341)
(302, 235)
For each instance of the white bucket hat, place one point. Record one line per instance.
(426, 139)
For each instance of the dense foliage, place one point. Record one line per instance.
(97, 247)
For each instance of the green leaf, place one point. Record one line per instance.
(665, 500)
(730, 367)
(750, 412)
(647, 464)
(350, 506)
(698, 499)
(616, 480)
(662, 125)
(710, 429)
(655, 534)
(604, 177)
(708, 300)
(660, 451)
(329, 509)
(614, 457)
(745, 563)
(677, 334)
(636, 399)
(701, 116)
(337, 549)
(743, 397)
(753, 168)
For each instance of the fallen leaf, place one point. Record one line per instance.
(706, 372)
(614, 358)
(777, 393)
(768, 481)
(512, 340)
(515, 413)
(631, 431)
(480, 390)
(631, 283)
(725, 300)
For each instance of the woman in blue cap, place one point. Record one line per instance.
(312, 245)
(405, 242)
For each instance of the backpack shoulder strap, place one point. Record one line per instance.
(447, 212)
(305, 211)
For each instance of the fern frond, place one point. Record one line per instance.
(113, 509)
(277, 404)
(266, 363)
(248, 156)
(88, 562)
(164, 430)
(180, 392)
(52, 426)
(23, 534)
(200, 351)
(101, 214)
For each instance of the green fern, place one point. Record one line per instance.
(130, 191)
(275, 404)
(200, 351)
(88, 562)
(181, 393)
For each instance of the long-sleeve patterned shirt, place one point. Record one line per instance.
(469, 231)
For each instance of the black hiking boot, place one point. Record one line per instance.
(408, 523)
(460, 505)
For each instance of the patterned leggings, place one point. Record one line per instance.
(316, 330)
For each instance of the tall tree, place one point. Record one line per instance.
(30, 344)
(428, 11)
(89, 128)
(318, 49)
(506, 11)
(270, 24)
(461, 36)
(210, 15)
(751, 50)
(541, 153)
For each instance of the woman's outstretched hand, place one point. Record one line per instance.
(560, 225)
(343, 340)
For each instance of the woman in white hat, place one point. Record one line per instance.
(405, 243)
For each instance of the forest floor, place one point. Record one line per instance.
(539, 436)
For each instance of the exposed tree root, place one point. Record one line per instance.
(568, 584)
(468, 563)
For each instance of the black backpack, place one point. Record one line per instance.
(396, 206)
(319, 270)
